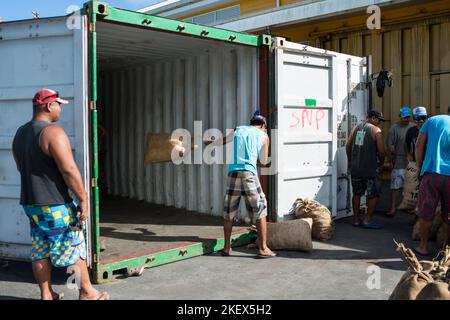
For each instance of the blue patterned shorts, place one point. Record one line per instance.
(54, 234)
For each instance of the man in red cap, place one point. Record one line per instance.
(48, 170)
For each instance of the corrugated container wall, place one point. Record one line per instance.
(219, 88)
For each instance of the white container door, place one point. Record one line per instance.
(352, 107)
(311, 95)
(34, 54)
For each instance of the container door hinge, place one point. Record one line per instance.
(91, 27)
(93, 182)
(92, 105)
(95, 258)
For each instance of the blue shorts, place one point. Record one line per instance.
(54, 234)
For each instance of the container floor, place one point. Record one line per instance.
(132, 228)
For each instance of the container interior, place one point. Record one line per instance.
(153, 81)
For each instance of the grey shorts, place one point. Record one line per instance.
(398, 179)
(244, 184)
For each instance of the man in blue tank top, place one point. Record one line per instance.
(48, 170)
(433, 166)
(250, 143)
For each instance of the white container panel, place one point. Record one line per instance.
(35, 55)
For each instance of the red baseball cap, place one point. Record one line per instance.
(45, 96)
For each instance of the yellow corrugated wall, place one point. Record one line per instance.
(414, 43)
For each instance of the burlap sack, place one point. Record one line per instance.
(437, 290)
(441, 237)
(424, 280)
(437, 223)
(159, 148)
(410, 189)
(290, 235)
(410, 285)
(322, 228)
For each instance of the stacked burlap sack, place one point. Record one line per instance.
(424, 280)
(322, 227)
(410, 189)
(313, 221)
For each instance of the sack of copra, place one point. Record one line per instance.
(410, 188)
(437, 223)
(424, 280)
(161, 147)
(290, 235)
(322, 227)
(410, 285)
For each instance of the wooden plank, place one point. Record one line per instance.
(395, 49)
(377, 60)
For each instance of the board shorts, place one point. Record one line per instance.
(371, 185)
(244, 184)
(398, 179)
(434, 188)
(56, 234)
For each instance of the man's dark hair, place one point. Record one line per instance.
(38, 108)
(258, 121)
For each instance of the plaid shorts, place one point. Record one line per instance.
(54, 234)
(244, 184)
(434, 188)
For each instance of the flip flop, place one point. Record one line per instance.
(101, 296)
(60, 296)
(267, 256)
(421, 254)
(372, 226)
(357, 225)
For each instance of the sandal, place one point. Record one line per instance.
(101, 296)
(225, 254)
(271, 254)
(425, 255)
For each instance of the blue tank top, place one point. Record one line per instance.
(247, 143)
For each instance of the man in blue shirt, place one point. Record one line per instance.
(433, 164)
(250, 143)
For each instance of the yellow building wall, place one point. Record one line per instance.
(247, 7)
(414, 43)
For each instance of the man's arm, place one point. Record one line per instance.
(264, 153)
(55, 143)
(225, 140)
(421, 145)
(408, 149)
(380, 147)
(349, 145)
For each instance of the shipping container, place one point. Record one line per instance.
(127, 74)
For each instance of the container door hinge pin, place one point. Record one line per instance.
(181, 27)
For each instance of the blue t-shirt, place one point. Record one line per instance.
(437, 154)
(247, 143)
